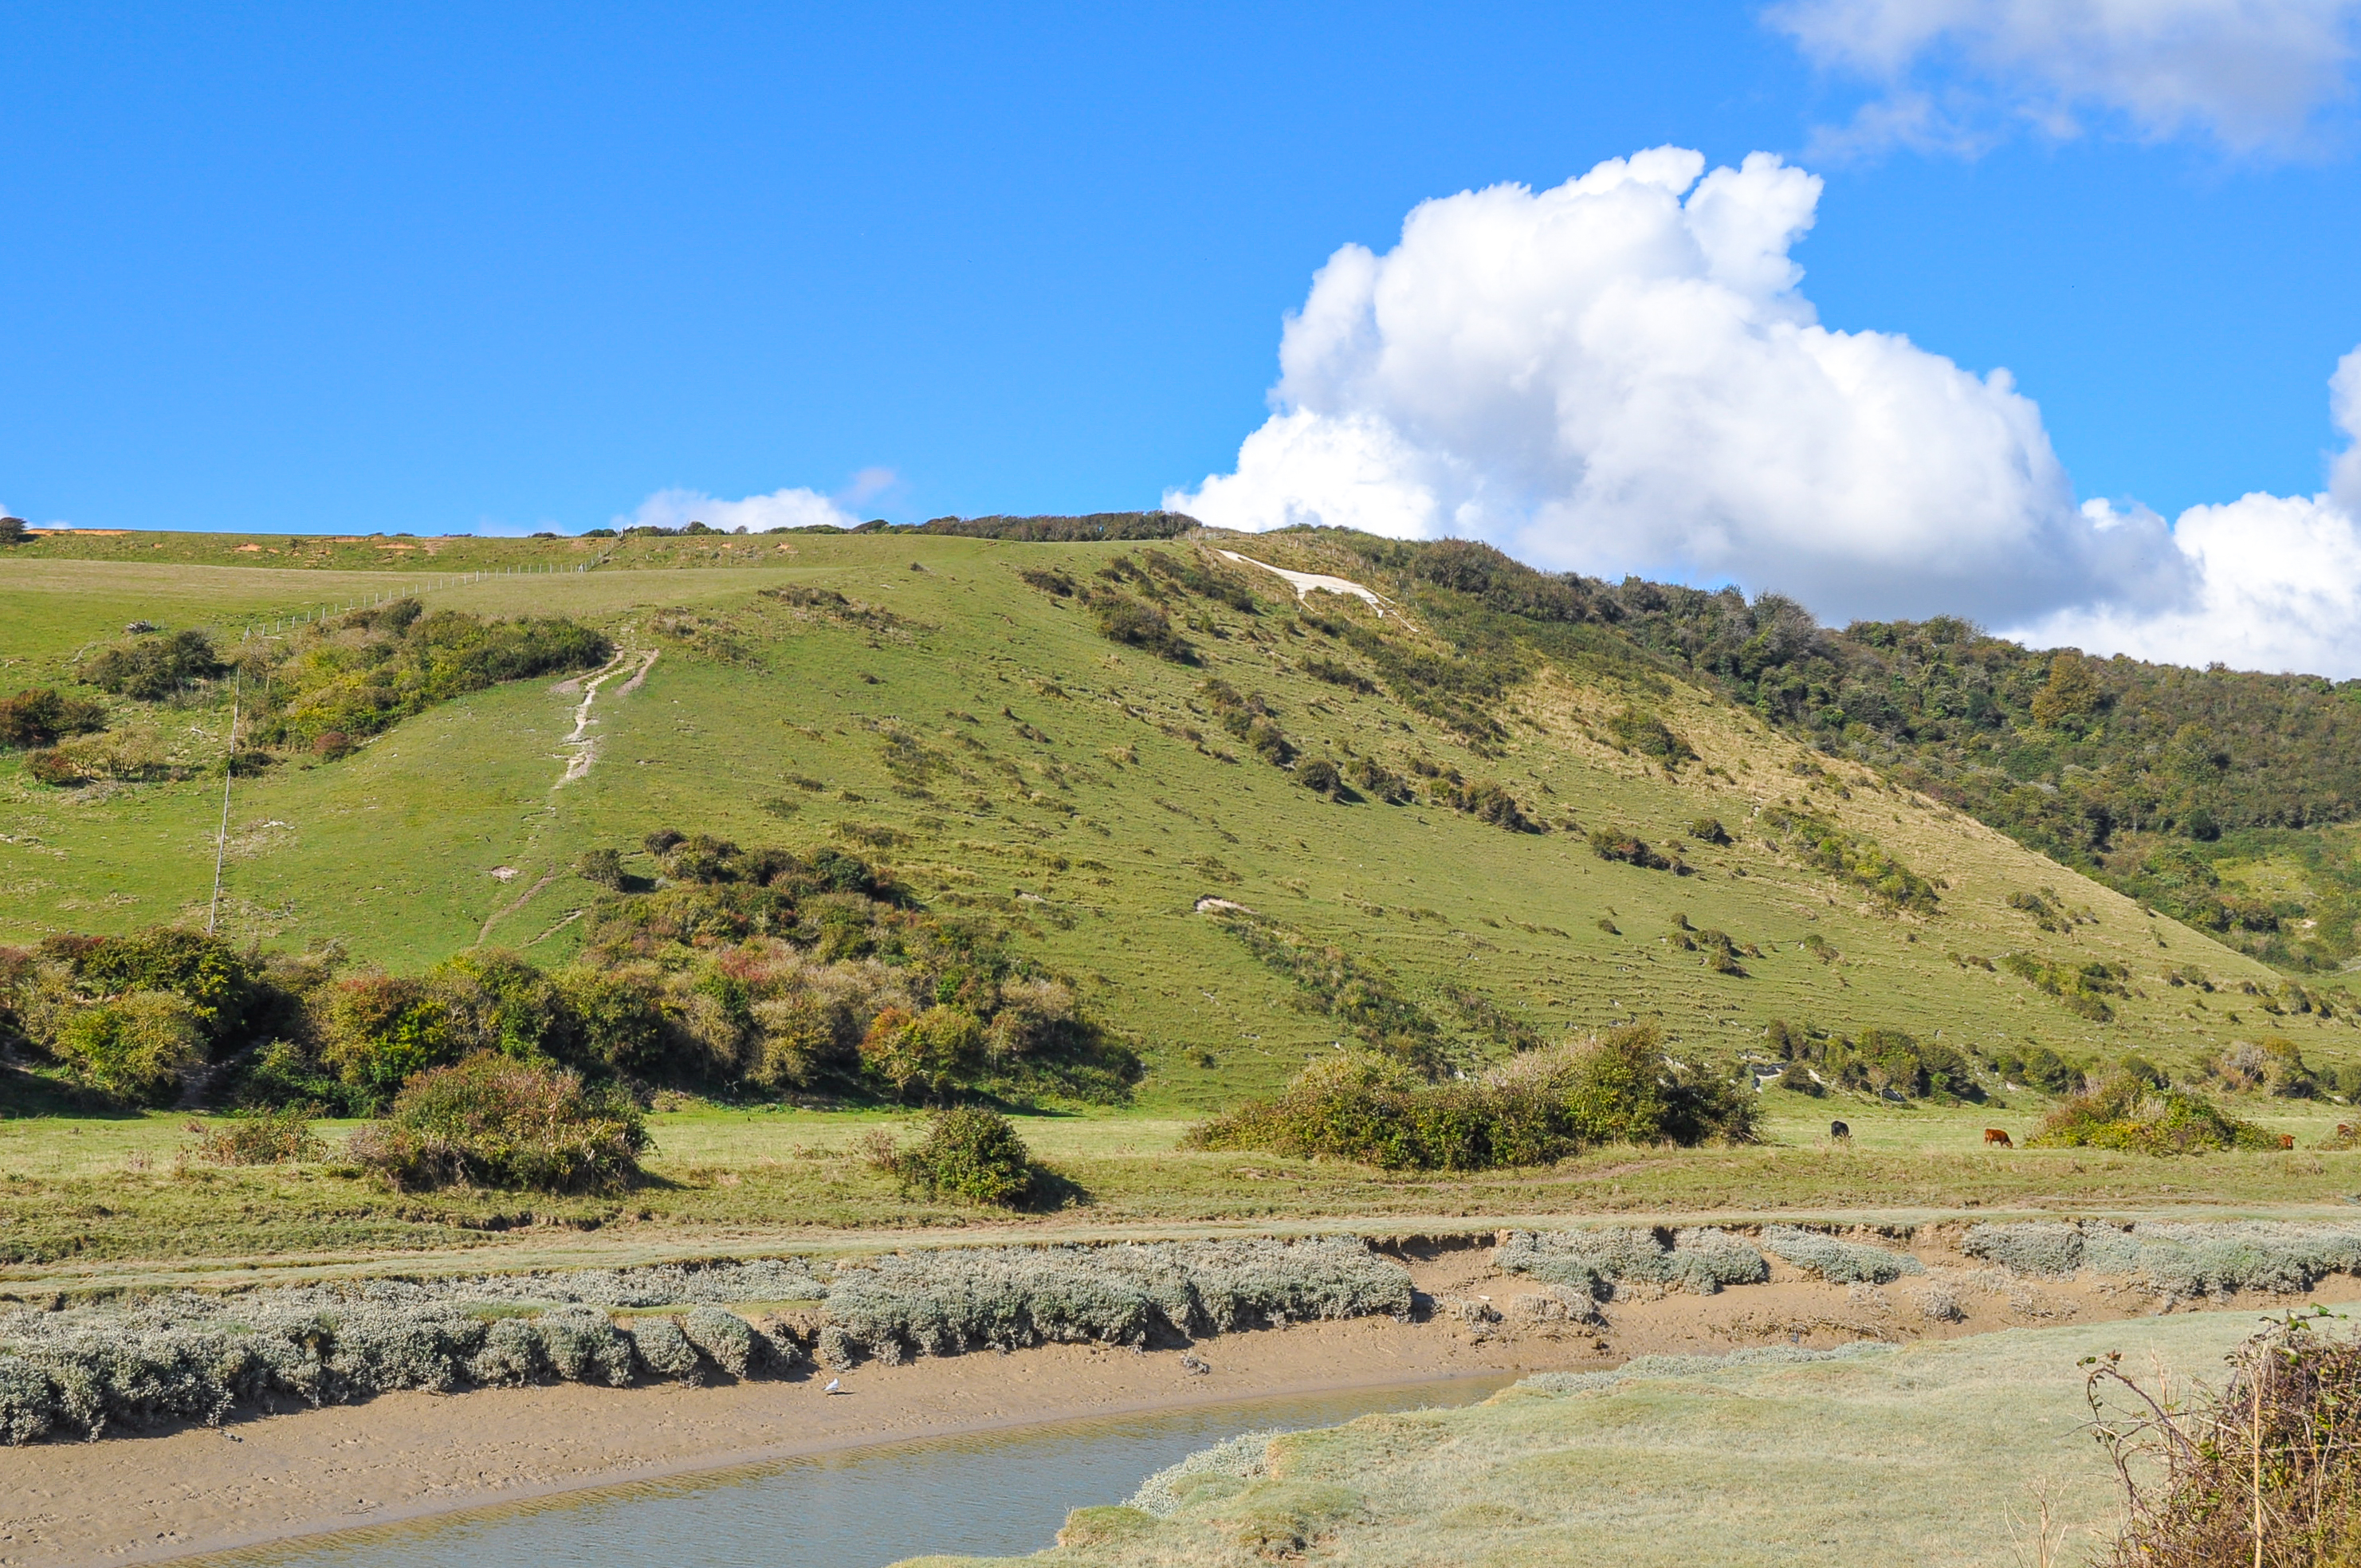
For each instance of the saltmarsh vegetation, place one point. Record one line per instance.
(137, 1362)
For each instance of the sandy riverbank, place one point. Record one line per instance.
(140, 1499)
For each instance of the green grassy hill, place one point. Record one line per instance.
(977, 733)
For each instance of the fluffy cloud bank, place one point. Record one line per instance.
(2275, 580)
(780, 509)
(2253, 75)
(1620, 375)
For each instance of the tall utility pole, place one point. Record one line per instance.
(229, 771)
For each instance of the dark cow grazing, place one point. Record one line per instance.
(1998, 1135)
(1840, 1132)
(2287, 1140)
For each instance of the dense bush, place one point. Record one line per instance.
(970, 1155)
(33, 718)
(1539, 1108)
(1614, 844)
(1646, 734)
(153, 668)
(2124, 1112)
(1702, 1260)
(1251, 718)
(1122, 619)
(263, 1137)
(1487, 801)
(137, 1047)
(1862, 863)
(489, 1121)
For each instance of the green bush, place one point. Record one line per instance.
(33, 718)
(258, 1138)
(1646, 734)
(1321, 776)
(1540, 1107)
(135, 1047)
(1487, 801)
(490, 1122)
(153, 668)
(2123, 1112)
(601, 867)
(383, 1028)
(970, 1155)
(1122, 619)
(1613, 844)
(370, 670)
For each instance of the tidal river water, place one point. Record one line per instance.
(987, 1494)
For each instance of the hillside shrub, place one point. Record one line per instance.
(150, 669)
(1861, 862)
(603, 868)
(1124, 619)
(2123, 1112)
(489, 1121)
(1364, 1000)
(1839, 1262)
(1487, 800)
(1700, 1260)
(1646, 734)
(1888, 1062)
(1614, 844)
(2084, 990)
(36, 718)
(1537, 1108)
(970, 1156)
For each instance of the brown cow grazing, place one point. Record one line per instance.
(1840, 1132)
(1996, 1135)
(2287, 1140)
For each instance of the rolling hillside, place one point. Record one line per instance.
(1137, 810)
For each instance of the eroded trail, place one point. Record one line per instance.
(581, 744)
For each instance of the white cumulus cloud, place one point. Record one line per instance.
(2276, 579)
(1620, 375)
(780, 508)
(1623, 374)
(2255, 76)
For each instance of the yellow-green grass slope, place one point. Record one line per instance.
(1933, 1454)
(1013, 761)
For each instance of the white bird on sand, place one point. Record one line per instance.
(835, 1385)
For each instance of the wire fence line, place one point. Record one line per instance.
(313, 614)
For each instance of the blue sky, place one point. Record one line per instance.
(441, 267)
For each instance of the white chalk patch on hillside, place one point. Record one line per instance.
(1306, 581)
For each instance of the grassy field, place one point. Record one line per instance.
(106, 1203)
(1057, 788)
(1950, 1452)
